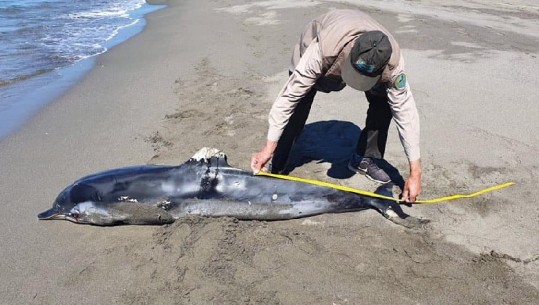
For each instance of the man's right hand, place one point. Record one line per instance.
(412, 186)
(259, 160)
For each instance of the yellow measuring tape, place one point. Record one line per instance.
(371, 194)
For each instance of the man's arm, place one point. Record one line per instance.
(300, 82)
(406, 118)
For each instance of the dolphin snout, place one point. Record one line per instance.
(51, 214)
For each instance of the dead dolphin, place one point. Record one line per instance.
(205, 185)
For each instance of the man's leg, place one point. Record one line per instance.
(291, 133)
(373, 139)
(372, 142)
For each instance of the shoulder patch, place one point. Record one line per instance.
(400, 81)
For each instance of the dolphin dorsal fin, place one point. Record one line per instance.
(219, 162)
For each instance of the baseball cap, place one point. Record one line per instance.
(369, 56)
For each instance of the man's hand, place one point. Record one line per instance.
(259, 160)
(412, 186)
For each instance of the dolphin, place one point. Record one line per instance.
(205, 185)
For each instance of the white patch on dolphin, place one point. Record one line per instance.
(206, 153)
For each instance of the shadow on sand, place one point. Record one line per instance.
(332, 142)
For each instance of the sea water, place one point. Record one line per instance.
(48, 45)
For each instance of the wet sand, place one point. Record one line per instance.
(204, 73)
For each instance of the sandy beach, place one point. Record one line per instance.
(204, 74)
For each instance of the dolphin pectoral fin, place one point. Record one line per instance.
(50, 214)
(138, 214)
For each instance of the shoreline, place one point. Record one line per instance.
(203, 73)
(99, 123)
(39, 91)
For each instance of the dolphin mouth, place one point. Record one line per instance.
(51, 214)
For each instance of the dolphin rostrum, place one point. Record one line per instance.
(205, 185)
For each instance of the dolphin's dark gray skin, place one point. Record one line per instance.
(152, 195)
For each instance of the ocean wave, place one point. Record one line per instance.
(7, 82)
(113, 10)
(44, 43)
(44, 35)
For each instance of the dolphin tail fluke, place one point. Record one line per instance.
(392, 210)
(405, 220)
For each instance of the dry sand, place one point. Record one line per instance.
(204, 73)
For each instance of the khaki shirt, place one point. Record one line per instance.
(321, 51)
